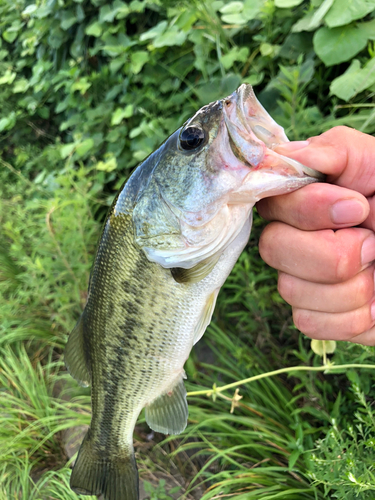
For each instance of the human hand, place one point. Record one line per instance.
(326, 268)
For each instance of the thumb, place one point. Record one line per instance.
(344, 154)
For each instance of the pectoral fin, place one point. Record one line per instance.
(196, 273)
(206, 316)
(169, 412)
(74, 356)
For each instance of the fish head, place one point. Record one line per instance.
(197, 190)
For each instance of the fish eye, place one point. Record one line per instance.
(191, 138)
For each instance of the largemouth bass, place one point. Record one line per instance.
(171, 238)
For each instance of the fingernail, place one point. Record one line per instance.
(347, 212)
(368, 250)
(288, 147)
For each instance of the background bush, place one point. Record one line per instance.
(87, 90)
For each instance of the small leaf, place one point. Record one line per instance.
(30, 9)
(84, 147)
(234, 19)
(94, 29)
(8, 77)
(232, 8)
(138, 59)
(107, 166)
(21, 85)
(67, 149)
(120, 113)
(321, 346)
(319, 14)
(154, 32)
(68, 18)
(173, 36)
(8, 122)
(293, 458)
(284, 4)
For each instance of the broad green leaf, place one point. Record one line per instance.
(84, 147)
(354, 80)
(321, 346)
(368, 29)
(232, 8)
(337, 45)
(138, 59)
(95, 29)
(285, 4)
(353, 10)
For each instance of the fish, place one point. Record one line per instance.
(172, 236)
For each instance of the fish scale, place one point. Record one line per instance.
(171, 238)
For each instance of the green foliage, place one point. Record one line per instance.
(87, 90)
(159, 493)
(335, 461)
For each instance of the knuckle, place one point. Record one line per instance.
(363, 288)
(267, 247)
(358, 323)
(346, 256)
(302, 318)
(285, 287)
(343, 267)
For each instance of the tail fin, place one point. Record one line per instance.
(116, 478)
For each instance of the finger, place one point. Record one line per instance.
(316, 206)
(324, 256)
(366, 338)
(340, 297)
(346, 155)
(338, 326)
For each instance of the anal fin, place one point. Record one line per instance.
(205, 317)
(169, 412)
(74, 355)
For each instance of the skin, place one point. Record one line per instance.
(327, 274)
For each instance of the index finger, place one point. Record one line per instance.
(346, 155)
(316, 206)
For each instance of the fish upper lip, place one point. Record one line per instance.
(254, 152)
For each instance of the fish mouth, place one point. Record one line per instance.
(253, 135)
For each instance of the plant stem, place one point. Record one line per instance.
(324, 368)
